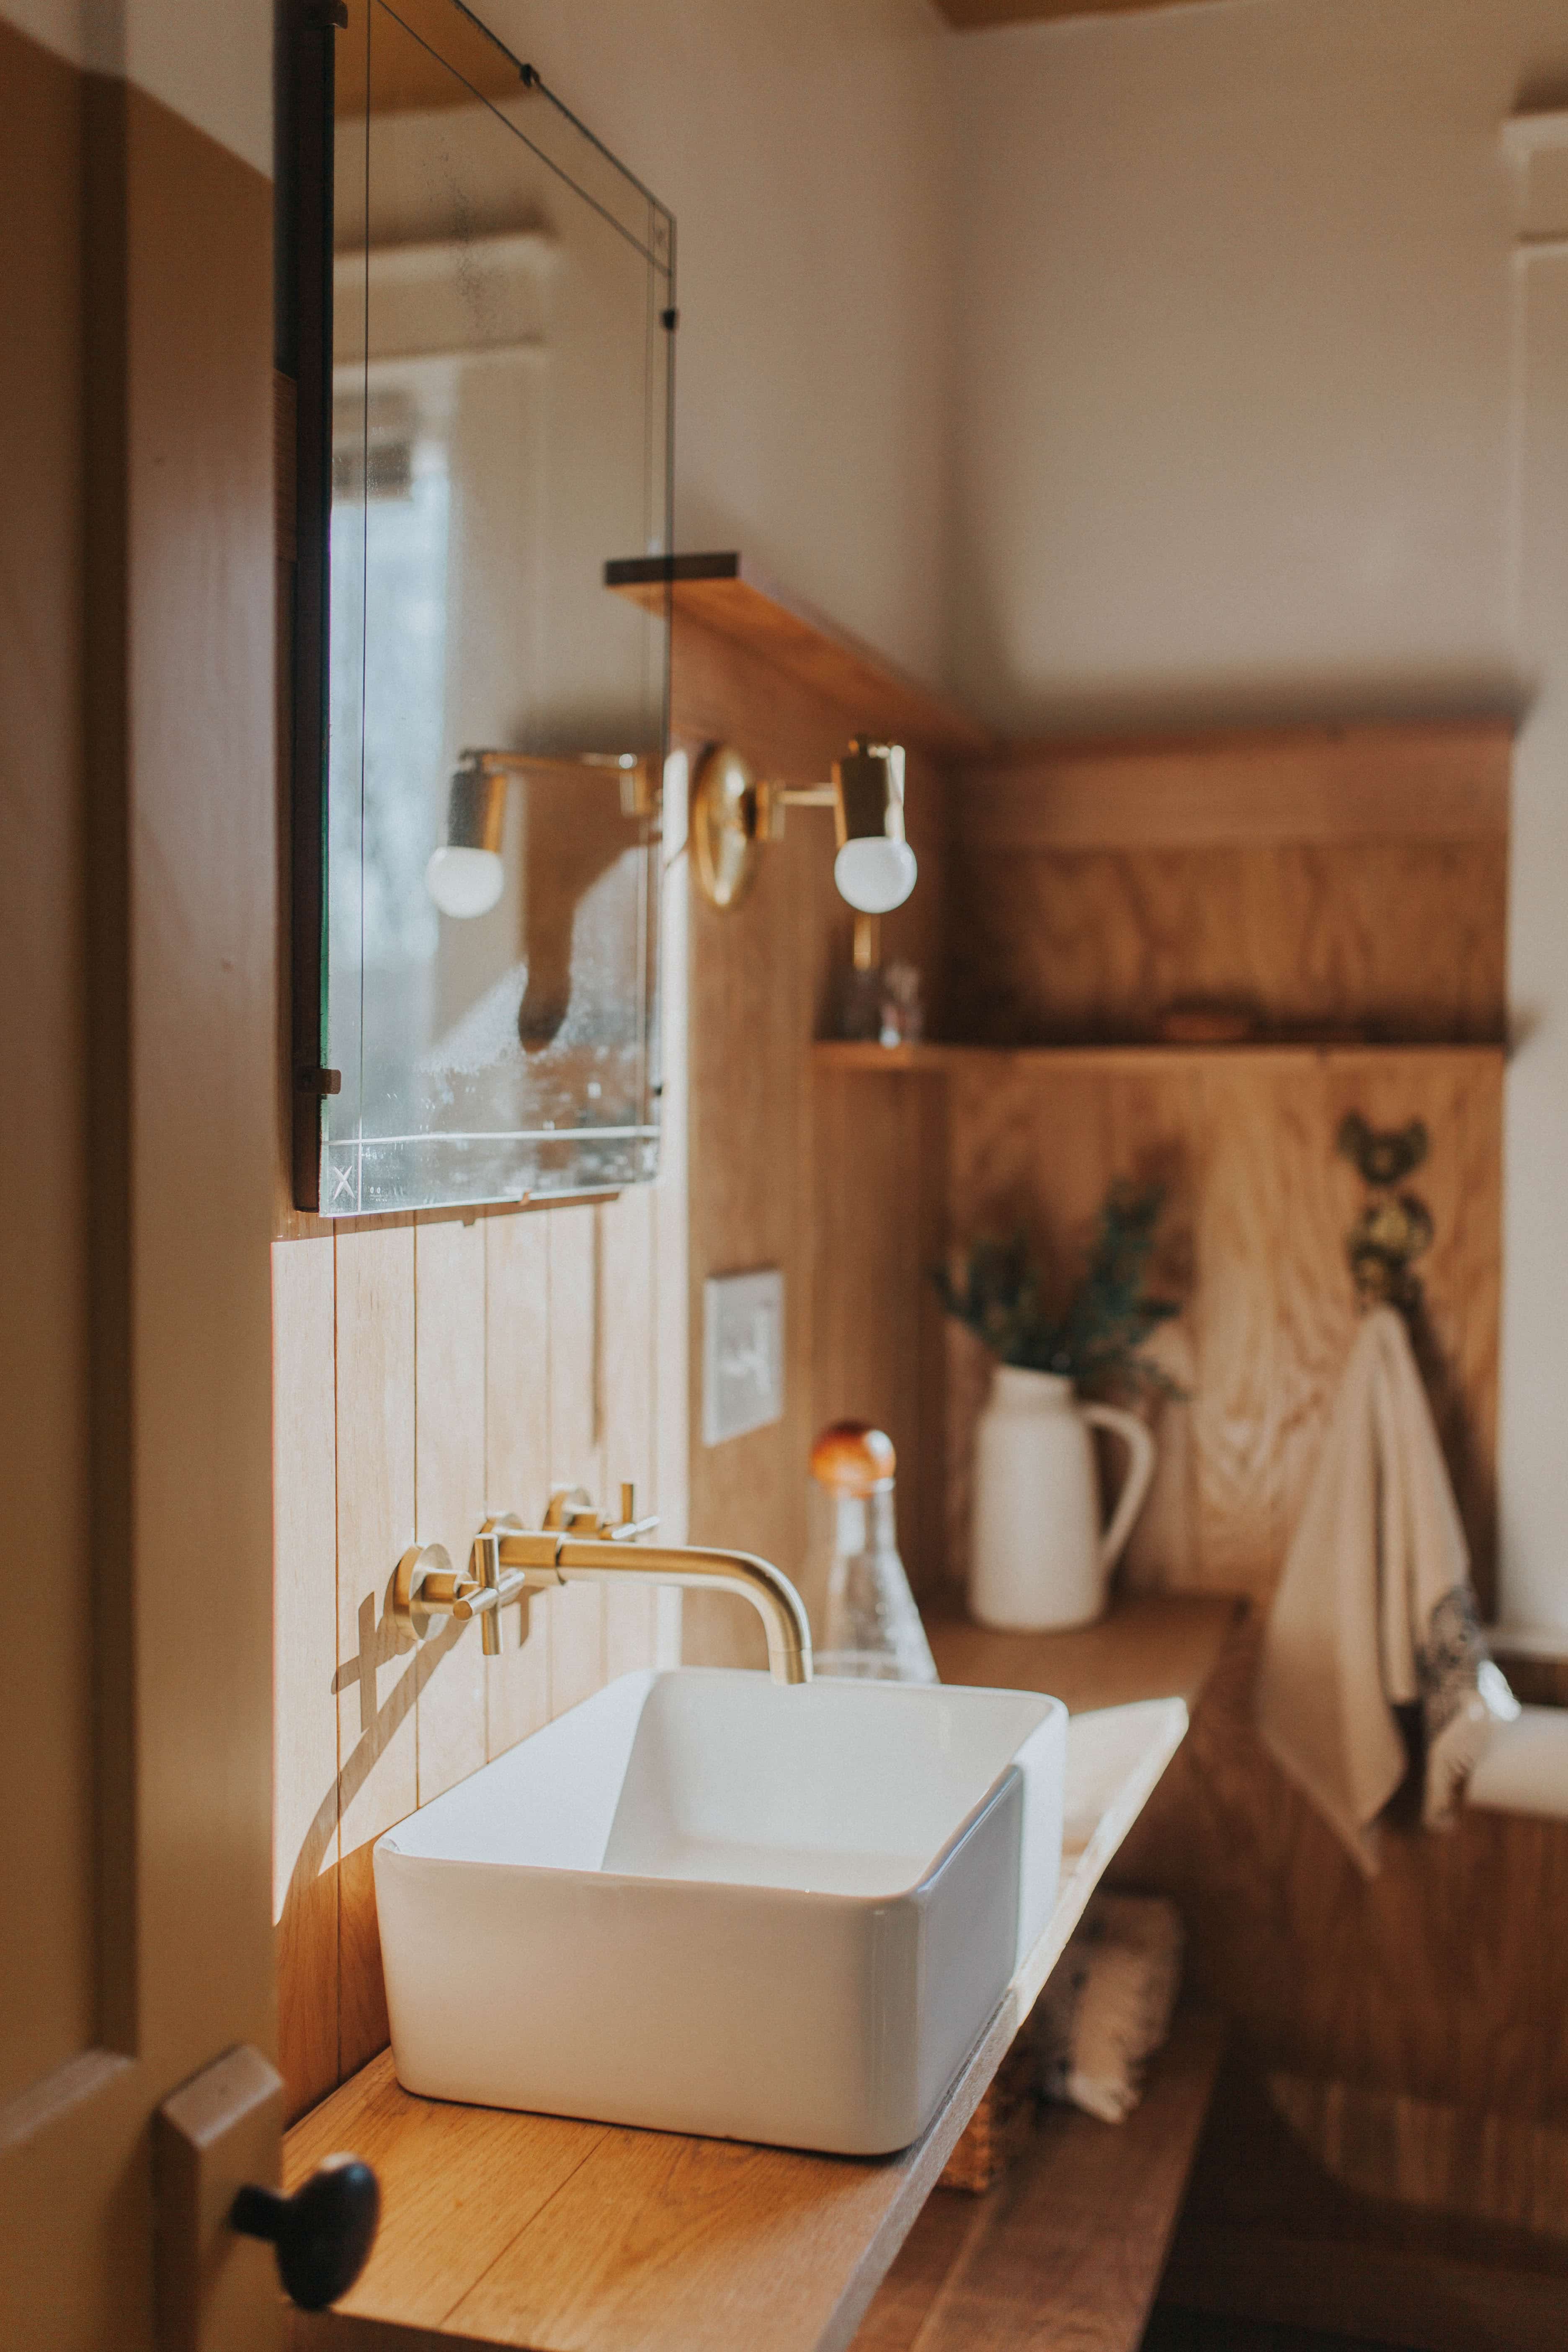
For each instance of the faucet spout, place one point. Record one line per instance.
(699, 1570)
(554, 1556)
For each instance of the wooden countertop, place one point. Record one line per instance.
(1150, 1646)
(562, 2236)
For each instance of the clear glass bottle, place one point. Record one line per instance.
(872, 1630)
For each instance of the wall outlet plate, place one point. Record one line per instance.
(742, 1353)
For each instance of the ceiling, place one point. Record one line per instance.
(968, 16)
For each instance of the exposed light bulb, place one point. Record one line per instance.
(874, 874)
(465, 882)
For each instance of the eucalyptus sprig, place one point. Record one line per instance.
(996, 1290)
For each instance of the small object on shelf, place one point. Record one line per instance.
(903, 1011)
(1393, 1228)
(861, 1009)
(1039, 1560)
(1199, 1021)
(873, 1629)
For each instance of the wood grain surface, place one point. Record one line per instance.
(726, 594)
(1068, 2248)
(1432, 1982)
(1315, 880)
(427, 1370)
(1258, 1205)
(782, 1173)
(1149, 1646)
(1267, 2235)
(478, 1362)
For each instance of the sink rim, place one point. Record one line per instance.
(751, 1889)
(969, 1698)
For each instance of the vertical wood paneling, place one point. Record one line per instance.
(460, 1350)
(449, 1483)
(627, 1352)
(576, 1448)
(517, 1451)
(305, 1650)
(376, 1727)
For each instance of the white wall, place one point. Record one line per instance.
(1236, 433)
(805, 148)
(213, 64)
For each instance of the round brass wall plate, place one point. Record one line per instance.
(724, 826)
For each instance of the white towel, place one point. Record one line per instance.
(1374, 1608)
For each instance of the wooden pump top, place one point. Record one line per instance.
(852, 1458)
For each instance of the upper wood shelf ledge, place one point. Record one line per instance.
(729, 595)
(842, 1054)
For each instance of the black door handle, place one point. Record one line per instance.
(322, 2234)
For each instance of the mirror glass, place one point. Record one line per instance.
(501, 419)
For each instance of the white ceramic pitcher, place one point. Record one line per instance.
(1038, 1558)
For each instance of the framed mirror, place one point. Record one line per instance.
(486, 306)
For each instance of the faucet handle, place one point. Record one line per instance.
(495, 1587)
(426, 1584)
(573, 1511)
(629, 1527)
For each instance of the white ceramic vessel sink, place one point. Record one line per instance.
(704, 1902)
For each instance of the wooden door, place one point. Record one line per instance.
(137, 924)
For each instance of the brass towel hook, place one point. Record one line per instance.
(1395, 1227)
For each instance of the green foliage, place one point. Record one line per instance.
(1095, 1343)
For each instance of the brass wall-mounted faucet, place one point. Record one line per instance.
(577, 1545)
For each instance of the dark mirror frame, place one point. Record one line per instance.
(305, 85)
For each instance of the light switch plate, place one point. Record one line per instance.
(742, 1353)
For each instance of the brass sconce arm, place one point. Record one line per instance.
(735, 814)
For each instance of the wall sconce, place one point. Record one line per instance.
(734, 812)
(464, 874)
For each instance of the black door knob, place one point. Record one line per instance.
(323, 2233)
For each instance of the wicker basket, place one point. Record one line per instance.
(1000, 2126)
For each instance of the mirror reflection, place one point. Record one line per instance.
(501, 317)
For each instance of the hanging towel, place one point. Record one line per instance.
(1374, 1610)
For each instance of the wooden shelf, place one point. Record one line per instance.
(1149, 1646)
(1069, 2247)
(729, 595)
(538, 2231)
(844, 1054)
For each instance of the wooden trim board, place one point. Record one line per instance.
(562, 2236)
(976, 16)
(934, 1060)
(729, 595)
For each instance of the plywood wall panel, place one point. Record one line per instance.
(1259, 1205)
(764, 980)
(1433, 1981)
(1101, 942)
(1237, 1210)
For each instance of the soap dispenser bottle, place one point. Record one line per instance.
(873, 1631)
